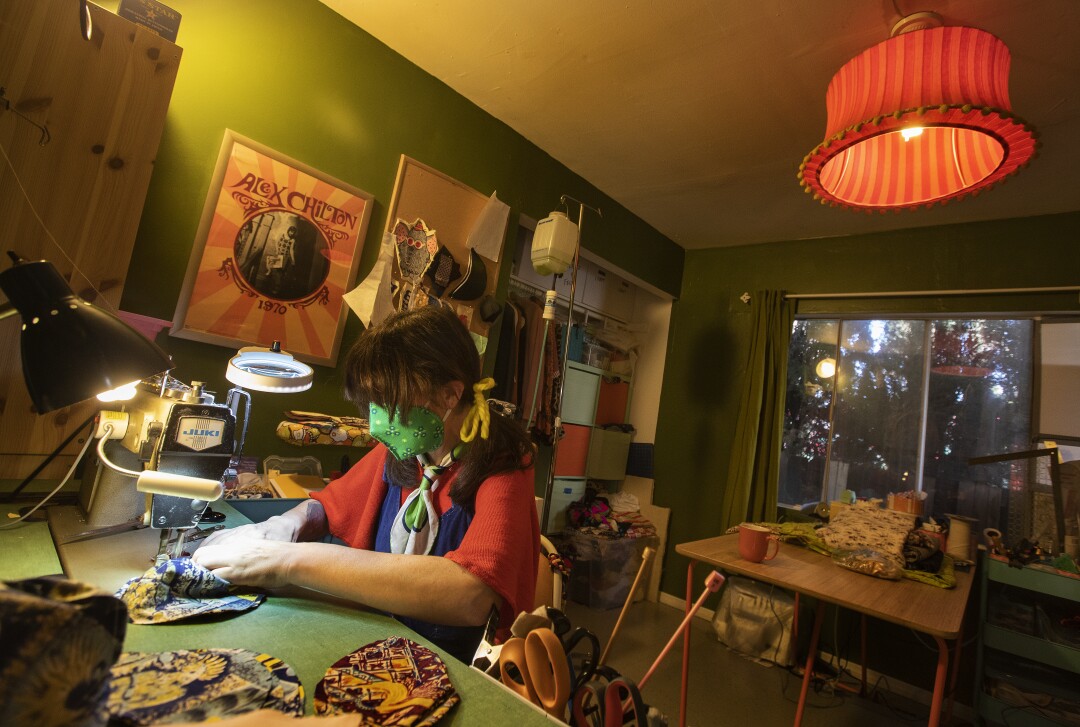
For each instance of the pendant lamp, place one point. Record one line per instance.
(919, 119)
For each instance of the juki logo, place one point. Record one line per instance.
(202, 432)
(199, 433)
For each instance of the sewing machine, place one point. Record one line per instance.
(160, 461)
(177, 446)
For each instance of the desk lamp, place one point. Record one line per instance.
(71, 350)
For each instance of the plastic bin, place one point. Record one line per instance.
(603, 568)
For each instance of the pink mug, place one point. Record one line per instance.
(755, 542)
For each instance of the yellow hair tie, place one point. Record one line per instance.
(479, 415)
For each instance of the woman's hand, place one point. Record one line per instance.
(248, 561)
(275, 528)
(306, 521)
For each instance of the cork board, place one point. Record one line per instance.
(450, 208)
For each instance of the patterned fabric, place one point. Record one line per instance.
(199, 685)
(179, 589)
(807, 534)
(864, 526)
(416, 245)
(58, 639)
(394, 681)
(417, 523)
(443, 270)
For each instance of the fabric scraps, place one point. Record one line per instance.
(392, 681)
(198, 685)
(58, 639)
(179, 589)
(922, 551)
(594, 515)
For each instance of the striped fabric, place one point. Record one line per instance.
(953, 83)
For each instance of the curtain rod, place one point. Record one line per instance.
(928, 293)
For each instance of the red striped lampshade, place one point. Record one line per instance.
(952, 83)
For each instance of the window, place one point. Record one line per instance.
(880, 406)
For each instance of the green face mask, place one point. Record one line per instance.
(424, 433)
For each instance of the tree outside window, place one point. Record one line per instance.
(880, 406)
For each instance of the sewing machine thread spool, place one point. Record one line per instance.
(549, 305)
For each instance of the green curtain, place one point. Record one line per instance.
(754, 470)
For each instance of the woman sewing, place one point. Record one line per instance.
(439, 516)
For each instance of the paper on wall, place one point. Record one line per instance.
(486, 236)
(371, 300)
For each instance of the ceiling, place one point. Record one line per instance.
(695, 114)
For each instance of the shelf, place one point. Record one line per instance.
(1046, 582)
(994, 710)
(1026, 656)
(1035, 648)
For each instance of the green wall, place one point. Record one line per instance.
(710, 327)
(710, 330)
(297, 77)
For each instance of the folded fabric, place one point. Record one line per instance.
(922, 551)
(179, 589)
(199, 685)
(809, 535)
(864, 526)
(393, 681)
(58, 639)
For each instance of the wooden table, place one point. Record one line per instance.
(307, 630)
(937, 612)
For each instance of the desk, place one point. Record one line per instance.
(307, 630)
(937, 612)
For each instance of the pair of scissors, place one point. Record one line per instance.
(609, 700)
(536, 667)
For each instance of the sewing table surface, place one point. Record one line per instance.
(307, 630)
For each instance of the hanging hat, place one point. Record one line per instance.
(474, 283)
(179, 589)
(443, 271)
(489, 309)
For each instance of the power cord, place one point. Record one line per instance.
(63, 482)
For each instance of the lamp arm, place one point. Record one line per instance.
(7, 310)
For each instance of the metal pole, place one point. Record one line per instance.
(550, 485)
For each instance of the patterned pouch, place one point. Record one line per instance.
(179, 589)
(393, 681)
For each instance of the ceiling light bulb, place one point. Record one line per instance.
(911, 132)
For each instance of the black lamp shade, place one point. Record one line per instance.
(71, 350)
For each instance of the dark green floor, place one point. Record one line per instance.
(725, 688)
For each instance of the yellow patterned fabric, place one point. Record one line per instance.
(199, 685)
(304, 428)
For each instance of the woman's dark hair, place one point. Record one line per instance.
(410, 357)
